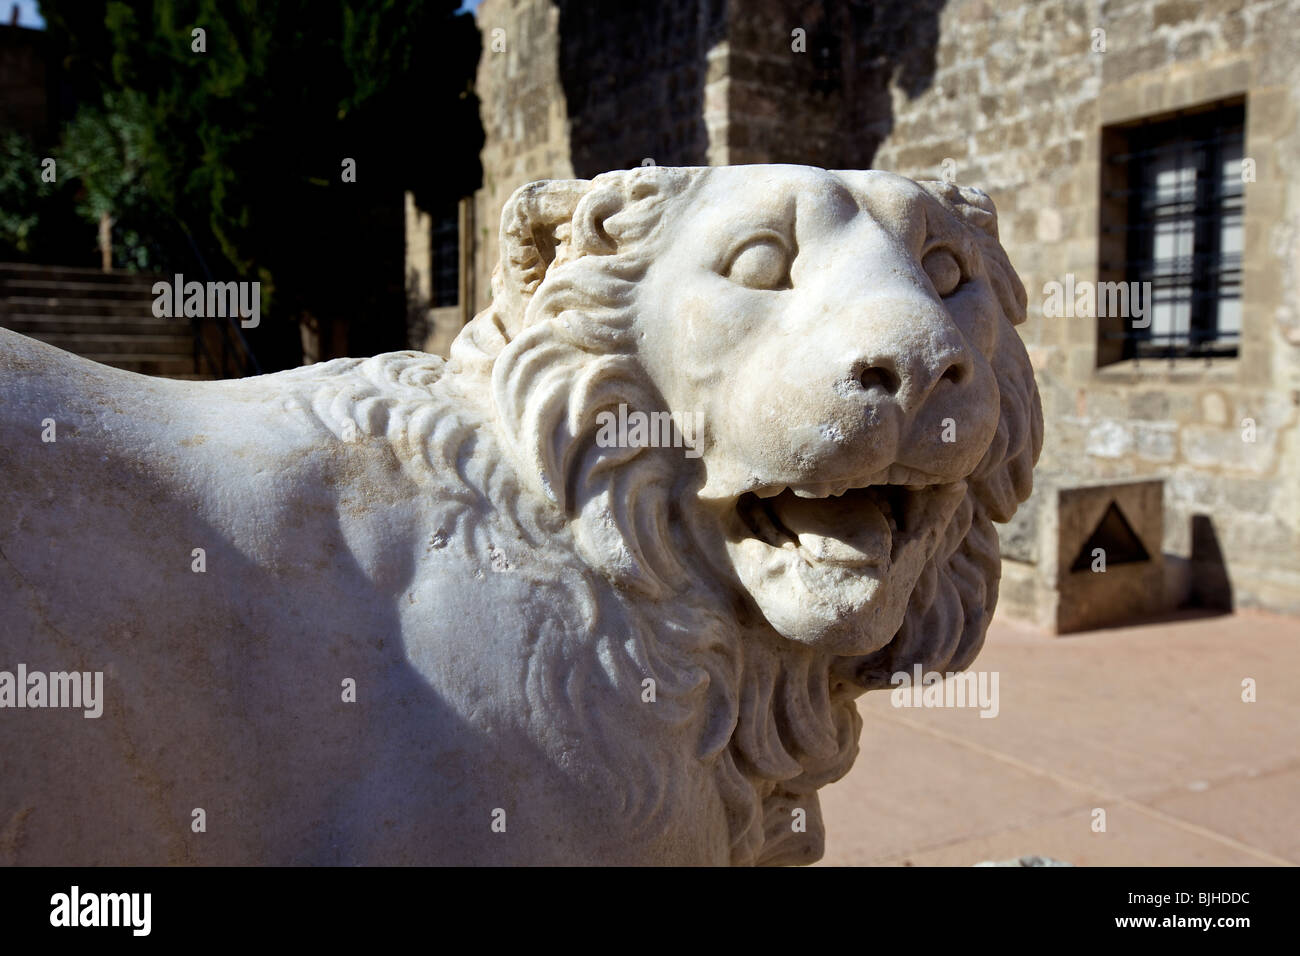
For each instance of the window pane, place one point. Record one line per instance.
(1185, 235)
(1230, 239)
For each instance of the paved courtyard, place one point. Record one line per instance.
(1146, 723)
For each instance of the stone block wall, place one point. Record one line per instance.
(524, 113)
(577, 87)
(24, 106)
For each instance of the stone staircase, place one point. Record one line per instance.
(103, 316)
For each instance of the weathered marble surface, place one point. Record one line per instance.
(500, 582)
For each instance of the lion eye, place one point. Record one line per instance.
(761, 263)
(944, 271)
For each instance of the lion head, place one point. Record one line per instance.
(846, 341)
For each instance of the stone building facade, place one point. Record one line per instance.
(24, 71)
(1041, 103)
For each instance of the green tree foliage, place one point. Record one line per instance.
(242, 143)
(37, 218)
(106, 151)
(23, 191)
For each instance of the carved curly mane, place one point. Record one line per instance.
(770, 720)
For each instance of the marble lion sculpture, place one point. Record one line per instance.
(396, 610)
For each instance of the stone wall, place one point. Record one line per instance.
(525, 118)
(24, 102)
(812, 83)
(578, 87)
(418, 269)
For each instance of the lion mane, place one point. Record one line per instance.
(510, 422)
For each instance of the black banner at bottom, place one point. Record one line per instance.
(333, 906)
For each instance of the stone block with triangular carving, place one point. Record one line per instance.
(1086, 556)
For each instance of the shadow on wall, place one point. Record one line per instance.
(1211, 588)
(857, 51)
(634, 76)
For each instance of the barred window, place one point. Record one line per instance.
(446, 258)
(1172, 203)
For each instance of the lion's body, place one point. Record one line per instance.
(223, 688)
(398, 610)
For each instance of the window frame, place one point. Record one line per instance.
(1126, 228)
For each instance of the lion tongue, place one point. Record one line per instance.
(847, 530)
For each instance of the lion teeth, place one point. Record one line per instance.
(823, 490)
(819, 530)
(915, 511)
(766, 527)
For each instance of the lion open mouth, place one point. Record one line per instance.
(854, 528)
(834, 565)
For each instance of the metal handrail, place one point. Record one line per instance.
(246, 360)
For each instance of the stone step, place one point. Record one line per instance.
(22, 271)
(106, 317)
(80, 343)
(164, 365)
(94, 324)
(63, 292)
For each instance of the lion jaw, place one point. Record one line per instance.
(834, 567)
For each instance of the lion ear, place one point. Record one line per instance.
(973, 205)
(589, 236)
(535, 223)
(547, 223)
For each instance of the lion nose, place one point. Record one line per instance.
(908, 367)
